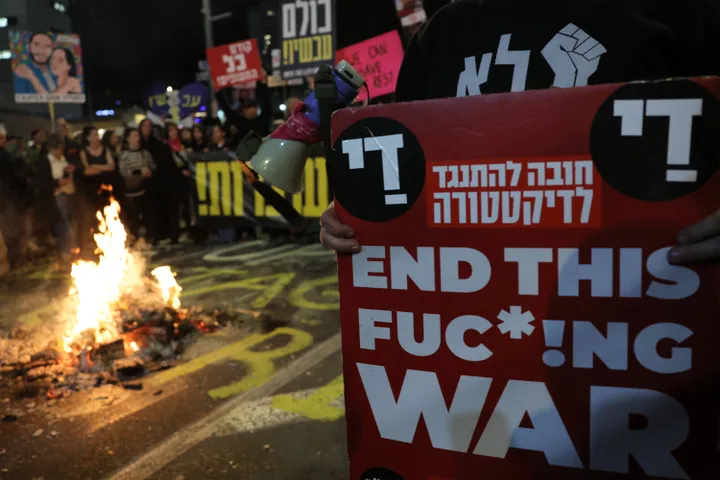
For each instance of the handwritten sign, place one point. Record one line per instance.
(308, 36)
(378, 60)
(234, 64)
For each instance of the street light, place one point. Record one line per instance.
(169, 89)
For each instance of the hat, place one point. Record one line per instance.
(249, 103)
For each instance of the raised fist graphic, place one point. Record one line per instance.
(573, 55)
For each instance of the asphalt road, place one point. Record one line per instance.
(260, 400)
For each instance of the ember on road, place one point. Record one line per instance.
(219, 381)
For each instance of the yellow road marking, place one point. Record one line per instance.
(298, 298)
(260, 363)
(316, 406)
(184, 440)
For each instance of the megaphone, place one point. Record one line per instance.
(281, 158)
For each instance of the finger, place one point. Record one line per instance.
(704, 229)
(709, 250)
(330, 222)
(339, 244)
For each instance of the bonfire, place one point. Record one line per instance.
(98, 287)
(121, 323)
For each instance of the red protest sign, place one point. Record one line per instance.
(234, 64)
(378, 60)
(513, 314)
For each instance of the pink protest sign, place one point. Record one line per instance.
(377, 60)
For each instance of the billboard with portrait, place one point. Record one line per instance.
(47, 67)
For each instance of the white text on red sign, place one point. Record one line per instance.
(553, 193)
(236, 65)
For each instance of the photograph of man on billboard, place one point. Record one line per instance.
(47, 67)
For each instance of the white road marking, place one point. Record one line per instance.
(262, 414)
(259, 415)
(183, 440)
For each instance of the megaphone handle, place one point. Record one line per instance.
(326, 94)
(297, 222)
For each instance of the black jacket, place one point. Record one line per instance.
(260, 124)
(465, 49)
(13, 185)
(163, 157)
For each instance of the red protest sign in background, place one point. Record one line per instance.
(234, 64)
(512, 314)
(378, 61)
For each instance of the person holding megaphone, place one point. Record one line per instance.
(471, 47)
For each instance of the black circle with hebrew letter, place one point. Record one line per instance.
(380, 474)
(637, 164)
(371, 187)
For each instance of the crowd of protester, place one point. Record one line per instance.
(52, 186)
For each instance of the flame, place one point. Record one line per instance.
(97, 287)
(169, 288)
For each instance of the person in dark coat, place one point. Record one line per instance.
(13, 203)
(633, 41)
(254, 115)
(164, 195)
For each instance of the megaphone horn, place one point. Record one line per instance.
(281, 158)
(281, 163)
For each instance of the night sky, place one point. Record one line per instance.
(128, 44)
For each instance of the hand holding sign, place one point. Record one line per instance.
(335, 235)
(699, 243)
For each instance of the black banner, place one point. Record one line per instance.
(225, 198)
(308, 36)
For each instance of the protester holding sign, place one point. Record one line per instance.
(515, 289)
(536, 57)
(254, 115)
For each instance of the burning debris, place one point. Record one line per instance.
(120, 326)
